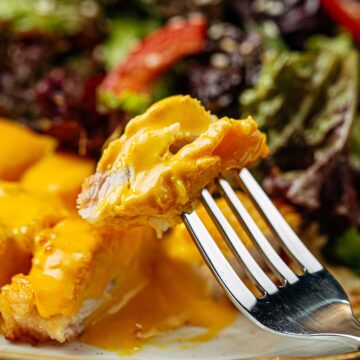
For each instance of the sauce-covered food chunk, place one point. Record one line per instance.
(156, 170)
(20, 148)
(22, 215)
(60, 174)
(74, 271)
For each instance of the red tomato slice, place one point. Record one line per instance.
(154, 55)
(346, 13)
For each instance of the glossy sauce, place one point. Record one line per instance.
(59, 174)
(22, 215)
(158, 167)
(20, 148)
(174, 295)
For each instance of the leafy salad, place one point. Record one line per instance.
(79, 69)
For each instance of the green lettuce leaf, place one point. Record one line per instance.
(125, 32)
(59, 16)
(345, 249)
(288, 88)
(306, 102)
(355, 144)
(129, 101)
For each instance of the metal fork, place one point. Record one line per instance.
(305, 305)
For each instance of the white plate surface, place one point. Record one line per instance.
(243, 340)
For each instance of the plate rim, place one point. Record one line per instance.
(347, 356)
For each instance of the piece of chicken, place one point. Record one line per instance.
(74, 271)
(22, 215)
(20, 148)
(60, 174)
(156, 170)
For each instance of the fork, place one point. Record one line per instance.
(307, 305)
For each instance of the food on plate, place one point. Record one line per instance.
(74, 269)
(61, 276)
(73, 74)
(176, 294)
(59, 173)
(104, 283)
(22, 215)
(189, 149)
(20, 148)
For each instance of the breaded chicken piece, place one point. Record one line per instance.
(22, 215)
(156, 170)
(61, 174)
(74, 269)
(20, 148)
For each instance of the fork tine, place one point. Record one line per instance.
(277, 223)
(240, 251)
(271, 256)
(239, 294)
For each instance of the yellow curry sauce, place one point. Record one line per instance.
(174, 295)
(20, 148)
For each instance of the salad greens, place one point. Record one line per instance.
(125, 32)
(345, 249)
(307, 103)
(59, 16)
(130, 101)
(291, 88)
(355, 145)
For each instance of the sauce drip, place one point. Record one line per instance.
(174, 295)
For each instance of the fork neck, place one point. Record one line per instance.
(351, 329)
(346, 325)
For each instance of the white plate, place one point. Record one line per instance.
(243, 340)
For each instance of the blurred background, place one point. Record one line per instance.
(80, 69)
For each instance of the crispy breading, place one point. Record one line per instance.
(74, 269)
